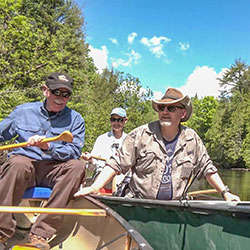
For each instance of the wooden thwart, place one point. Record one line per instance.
(64, 136)
(64, 211)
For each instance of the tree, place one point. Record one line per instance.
(203, 112)
(228, 137)
(37, 38)
(235, 79)
(109, 90)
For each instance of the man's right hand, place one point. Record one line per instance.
(86, 156)
(36, 141)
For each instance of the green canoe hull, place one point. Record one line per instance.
(191, 225)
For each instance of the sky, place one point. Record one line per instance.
(165, 43)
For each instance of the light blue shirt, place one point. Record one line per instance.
(33, 119)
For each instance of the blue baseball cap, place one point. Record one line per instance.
(119, 111)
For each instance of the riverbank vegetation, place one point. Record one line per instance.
(39, 37)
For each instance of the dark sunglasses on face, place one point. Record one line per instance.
(116, 119)
(57, 92)
(170, 109)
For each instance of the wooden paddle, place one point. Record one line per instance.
(206, 191)
(42, 210)
(64, 136)
(98, 158)
(95, 157)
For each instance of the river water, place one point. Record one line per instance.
(237, 180)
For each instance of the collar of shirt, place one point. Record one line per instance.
(51, 114)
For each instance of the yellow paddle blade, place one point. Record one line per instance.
(64, 136)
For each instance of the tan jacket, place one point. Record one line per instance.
(143, 151)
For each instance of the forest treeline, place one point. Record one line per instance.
(39, 37)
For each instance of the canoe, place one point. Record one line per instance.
(186, 225)
(88, 224)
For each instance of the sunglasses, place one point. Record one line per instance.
(116, 119)
(170, 109)
(57, 92)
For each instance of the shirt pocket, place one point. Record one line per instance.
(146, 162)
(185, 166)
(26, 131)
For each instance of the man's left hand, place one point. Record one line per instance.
(85, 191)
(231, 197)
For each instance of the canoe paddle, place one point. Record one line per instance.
(42, 210)
(199, 192)
(95, 157)
(98, 158)
(64, 136)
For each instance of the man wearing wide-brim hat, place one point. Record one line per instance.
(163, 155)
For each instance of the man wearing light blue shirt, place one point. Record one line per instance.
(54, 164)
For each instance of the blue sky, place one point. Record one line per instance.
(166, 43)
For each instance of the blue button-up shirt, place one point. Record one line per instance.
(33, 119)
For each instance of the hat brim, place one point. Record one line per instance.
(59, 85)
(122, 116)
(185, 101)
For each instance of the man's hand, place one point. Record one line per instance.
(85, 191)
(231, 197)
(87, 157)
(36, 141)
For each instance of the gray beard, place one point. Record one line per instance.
(165, 124)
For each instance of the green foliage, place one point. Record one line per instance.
(37, 38)
(107, 91)
(203, 112)
(228, 138)
(235, 79)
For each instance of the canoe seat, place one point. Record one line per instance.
(37, 193)
(33, 197)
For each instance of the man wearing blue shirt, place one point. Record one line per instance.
(54, 164)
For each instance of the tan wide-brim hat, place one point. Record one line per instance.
(174, 96)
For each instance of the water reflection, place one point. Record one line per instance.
(238, 182)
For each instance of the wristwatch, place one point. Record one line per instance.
(226, 190)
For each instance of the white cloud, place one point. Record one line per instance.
(131, 37)
(157, 95)
(133, 58)
(156, 44)
(203, 82)
(113, 40)
(184, 46)
(100, 57)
